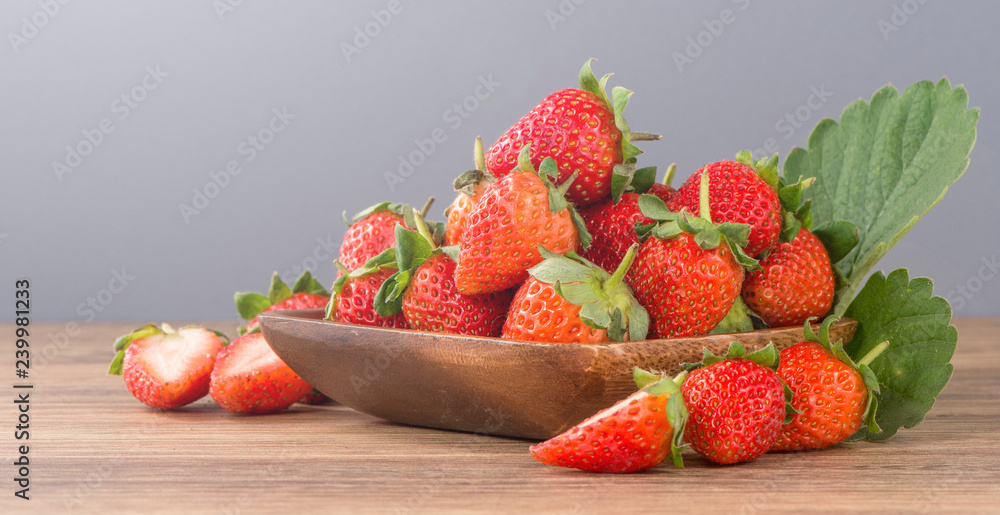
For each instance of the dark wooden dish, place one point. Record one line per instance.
(483, 385)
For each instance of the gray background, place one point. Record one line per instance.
(222, 73)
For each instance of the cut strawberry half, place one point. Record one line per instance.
(250, 378)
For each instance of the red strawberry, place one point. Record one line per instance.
(738, 195)
(354, 298)
(167, 369)
(830, 391)
(615, 222)
(433, 303)
(795, 282)
(250, 378)
(582, 130)
(570, 300)
(305, 293)
(688, 272)
(470, 186)
(515, 215)
(373, 231)
(637, 433)
(736, 405)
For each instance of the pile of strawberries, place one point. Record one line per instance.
(558, 236)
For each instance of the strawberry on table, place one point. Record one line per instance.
(635, 434)
(470, 186)
(568, 299)
(582, 130)
(833, 394)
(305, 293)
(515, 215)
(736, 405)
(250, 378)
(164, 368)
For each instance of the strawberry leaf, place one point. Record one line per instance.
(123, 342)
(915, 367)
(249, 304)
(884, 165)
(839, 237)
(736, 321)
(279, 291)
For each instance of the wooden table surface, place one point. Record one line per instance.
(94, 449)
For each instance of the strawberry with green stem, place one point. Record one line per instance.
(834, 394)
(568, 299)
(689, 270)
(519, 212)
(305, 293)
(635, 434)
(470, 186)
(165, 368)
(373, 230)
(582, 130)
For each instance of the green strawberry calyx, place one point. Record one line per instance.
(677, 412)
(708, 235)
(548, 171)
(605, 301)
(251, 304)
(467, 181)
(795, 213)
(123, 342)
(403, 210)
(862, 366)
(623, 173)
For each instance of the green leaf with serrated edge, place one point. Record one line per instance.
(885, 164)
(588, 82)
(767, 356)
(122, 343)
(279, 291)
(306, 283)
(644, 378)
(737, 320)
(915, 367)
(249, 304)
(839, 237)
(653, 207)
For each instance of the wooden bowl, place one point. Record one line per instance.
(483, 385)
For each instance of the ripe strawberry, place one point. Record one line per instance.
(737, 195)
(515, 215)
(795, 282)
(250, 378)
(470, 186)
(372, 231)
(635, 434)
(736, 405)
(688, 272)
(353, 300)
(570, 300)
(833, 394)
(433, 303)
(582, 130)
(167, 369)
(305, 293)
(615, 222)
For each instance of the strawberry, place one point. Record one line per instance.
(372, 231)
(353, 300)
(795, 282)
(833, 394)
(164, 368)
(636, 433)
(615, 221)
(250, 378)
(515, 215)
(736, 405)
(689, 271)
(737, 194)
(582, 130)
(305, 293)
(568, 299)
(470, 186)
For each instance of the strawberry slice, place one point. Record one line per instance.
(167, 369)
(637, 433)
(250, 378)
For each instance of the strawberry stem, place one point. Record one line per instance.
(623, 267)
(427, 207)
(643, 136)
(874, 353)
(480, 157)
(670, 174)
(703, 208)
(422, 228)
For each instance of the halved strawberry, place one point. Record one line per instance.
(164, 368)
(250, 378)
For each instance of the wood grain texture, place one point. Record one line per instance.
(94, 449)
